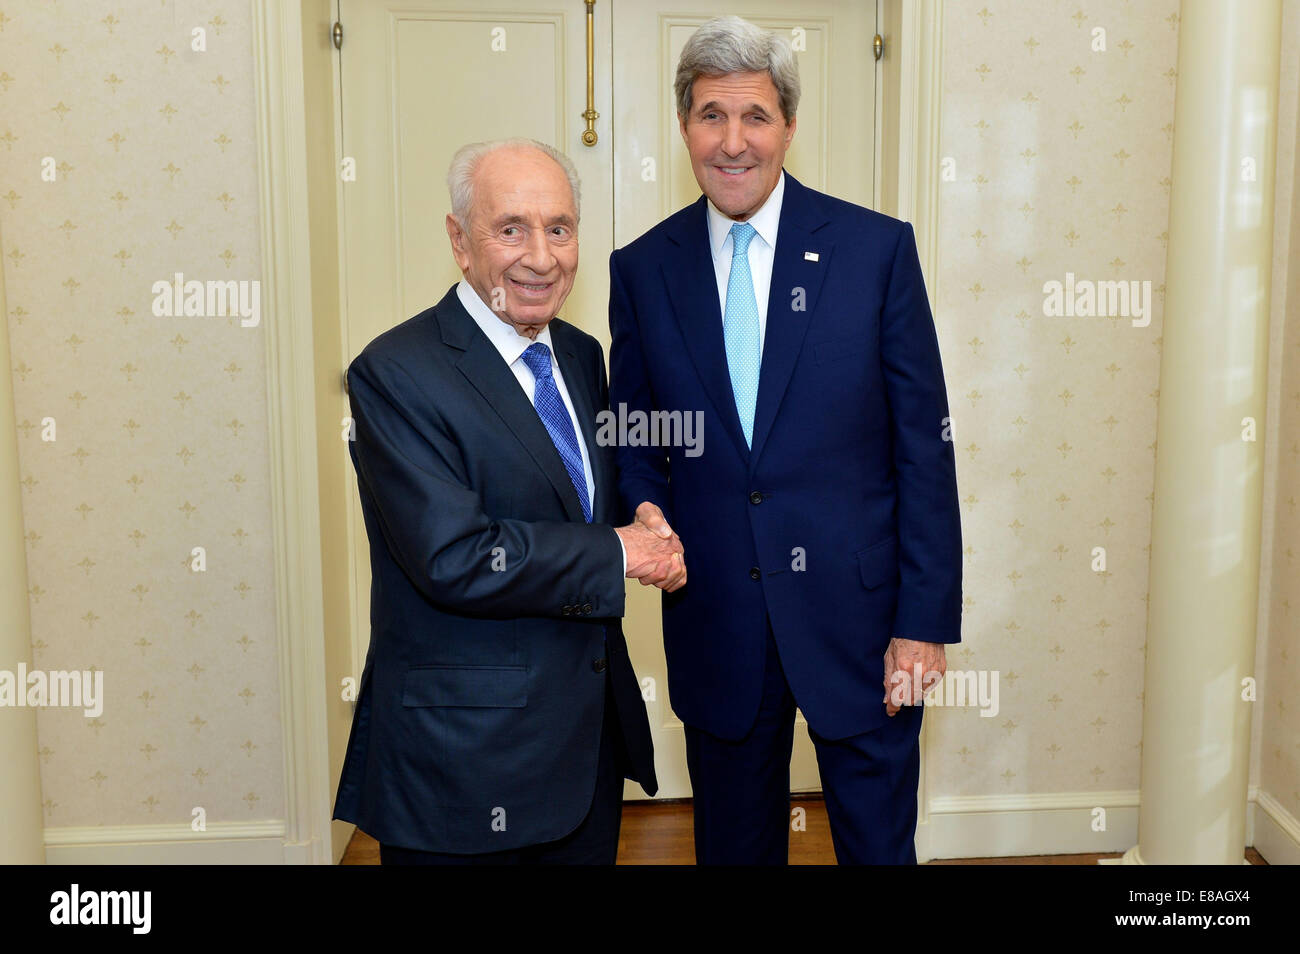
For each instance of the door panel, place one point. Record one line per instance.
(534, 61)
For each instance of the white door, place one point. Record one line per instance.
(419, 78)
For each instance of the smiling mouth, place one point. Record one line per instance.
(733, 170)
(532, 288)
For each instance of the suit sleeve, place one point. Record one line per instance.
(929, 517)
(434, 525)
(642, 471)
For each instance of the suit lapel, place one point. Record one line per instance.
(489, 375)
(796, 281)
(693, 289)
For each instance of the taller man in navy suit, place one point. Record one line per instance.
(822, 518)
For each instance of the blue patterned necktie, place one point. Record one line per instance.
(740, 329)
(551, 409)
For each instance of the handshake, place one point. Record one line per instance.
(654, 554)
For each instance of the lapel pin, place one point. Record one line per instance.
(811, 257)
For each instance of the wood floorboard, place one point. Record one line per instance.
(660, 833)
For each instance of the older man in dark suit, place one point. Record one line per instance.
(498, 712)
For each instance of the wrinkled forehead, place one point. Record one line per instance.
(524, 184)
(735, 90)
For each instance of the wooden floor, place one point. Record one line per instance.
(659, 833)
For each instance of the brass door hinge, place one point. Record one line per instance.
(878, 46)
(337, 34)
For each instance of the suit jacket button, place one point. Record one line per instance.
(754, 573)
(567, 611)
(756, 498)
(586, 609)
(598, 664)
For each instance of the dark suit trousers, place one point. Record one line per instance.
(593, 842)
(742, 789)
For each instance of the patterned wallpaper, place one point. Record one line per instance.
(1059, 163)
(1060, 160)
(1057, 139)
(160, 422)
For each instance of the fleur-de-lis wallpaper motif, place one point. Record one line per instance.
(1058, 158)
(161, 441)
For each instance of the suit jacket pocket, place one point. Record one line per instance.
(466, 686)
(878, 563)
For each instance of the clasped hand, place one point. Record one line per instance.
(655, 555)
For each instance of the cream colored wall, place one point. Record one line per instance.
(1062, 157)
(161, 422)
(1275, 763)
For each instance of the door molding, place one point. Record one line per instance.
(919, 111)
(291, 413)
(920, 90)
(291, 391)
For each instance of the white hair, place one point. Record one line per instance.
(726, 45)
(460, 176)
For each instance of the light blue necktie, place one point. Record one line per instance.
(551, 409)
(740, 329)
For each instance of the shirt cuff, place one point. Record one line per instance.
(624, 549)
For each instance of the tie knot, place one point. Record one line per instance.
(538, 358)
(741, 233)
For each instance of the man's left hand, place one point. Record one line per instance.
(911, 667)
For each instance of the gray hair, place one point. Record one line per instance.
(731, 45)
(460, 176)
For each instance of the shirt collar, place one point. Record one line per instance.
(510, 343)
(765, 220)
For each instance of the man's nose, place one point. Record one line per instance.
(537, 252)
(733, 140)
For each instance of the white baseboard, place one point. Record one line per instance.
(224, 843)
(999, 826)
(1276, 831)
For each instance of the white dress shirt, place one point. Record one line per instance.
(512, 345)
(762, 251)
